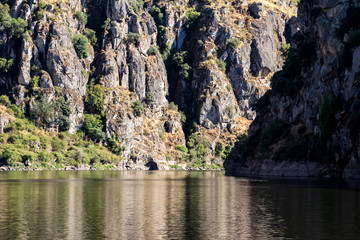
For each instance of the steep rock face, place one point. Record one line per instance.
(310, 116)
(232, 56)
(233, 48)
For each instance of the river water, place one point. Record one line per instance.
(172, 205)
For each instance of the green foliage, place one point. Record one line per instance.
(81, 45)
(153, 51)
(221, 64)
(93, 126)
(91, 35)
(58, 145)
(157, 14)
(219, 150)
(63, 107)
(4, 100)
(173, 106)
(34, 83)
(234, 43)
(64, 123)
(81, 17)
(11, 155)
(95, 99)
(179, 60)
(133, 37)
(137, 4)
(182, 148)
(285, 49)
(150, 98)
(39, 15)
(192, 16)
(115, 147)
(43, 112)
(6, 65)
(96, 134)
(15, 27)
(138, 108)
(182, 117)
(45, 157)
(41, 5)
(92, 121)
(107, 24)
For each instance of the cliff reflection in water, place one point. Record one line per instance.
(168, 205)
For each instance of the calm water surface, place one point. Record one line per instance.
(172, 205)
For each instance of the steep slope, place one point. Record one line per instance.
(113, 68)
(308, 124)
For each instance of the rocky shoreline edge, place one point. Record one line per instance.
(121, 167)
(302, 169)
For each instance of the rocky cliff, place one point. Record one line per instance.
(308, 124)
(164, 81)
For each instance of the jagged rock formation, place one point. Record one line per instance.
(308, 124)
(231, 49)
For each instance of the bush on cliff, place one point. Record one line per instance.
(81, 45)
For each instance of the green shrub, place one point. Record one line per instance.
(179, 58)
(150, 98)
(13, 27)
(45, 157)
(81, 45)
(6, 65)
(192, 17)
(58, 145)
(43, 112)
(41, 5)
(153, 51)
(221, 64)
(4, 100)
(285, 49)
(34, 83)
(182, 117)
(173, 106)
(95, 102)
(157, 14)
(133, 37)
(138, 108)
(114, 146)
(96, 134)
(182, 148)
(81, 17)
(64, 123)
(39, 15)
(234, 43)
(11, 155)
(92, 121)
(91, 35)
(63, 107)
